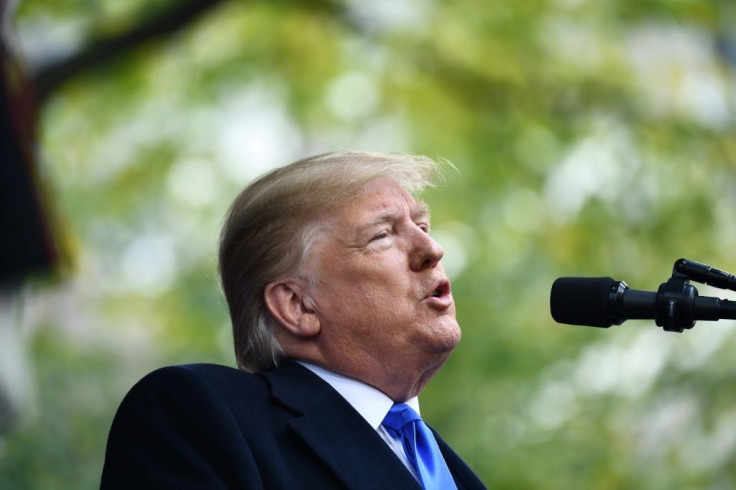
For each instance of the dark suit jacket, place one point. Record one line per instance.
(209, 426)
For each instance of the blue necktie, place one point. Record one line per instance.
(420, 447)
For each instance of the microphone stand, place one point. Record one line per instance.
(678, 304)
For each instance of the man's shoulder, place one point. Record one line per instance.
(202, 371)
(227, 382)
(200, 377)
(223, 389)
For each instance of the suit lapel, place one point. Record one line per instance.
(327, 423)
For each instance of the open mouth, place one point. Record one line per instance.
(442, 289)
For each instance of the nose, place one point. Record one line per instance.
(426, 252)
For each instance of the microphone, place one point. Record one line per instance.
(603, 302)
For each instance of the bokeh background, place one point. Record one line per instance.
(590, 138)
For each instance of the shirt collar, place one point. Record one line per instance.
(370, 403)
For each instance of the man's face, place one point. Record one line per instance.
(380, 292)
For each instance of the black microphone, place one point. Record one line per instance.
(603, 302)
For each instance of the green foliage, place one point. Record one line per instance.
(591, 138)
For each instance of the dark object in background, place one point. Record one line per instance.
(26, 241)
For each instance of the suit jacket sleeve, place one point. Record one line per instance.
(172, 431)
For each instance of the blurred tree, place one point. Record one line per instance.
(108, 46)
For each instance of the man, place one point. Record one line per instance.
(341, 314)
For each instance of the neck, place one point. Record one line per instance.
(398, 381)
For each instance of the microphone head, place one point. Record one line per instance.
(582, 301)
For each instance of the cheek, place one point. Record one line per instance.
(370, 283)
(368, 288)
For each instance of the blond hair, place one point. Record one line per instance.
(270, 225)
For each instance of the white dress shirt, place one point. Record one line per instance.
(370, 403)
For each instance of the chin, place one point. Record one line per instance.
(446, 337)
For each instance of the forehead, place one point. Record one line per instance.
(379, 198)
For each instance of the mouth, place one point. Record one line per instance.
(441, 289)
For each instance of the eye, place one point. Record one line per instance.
(381, 235)
(424, 227)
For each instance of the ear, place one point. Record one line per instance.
(288, 303)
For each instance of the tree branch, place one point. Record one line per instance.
(50, 77)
